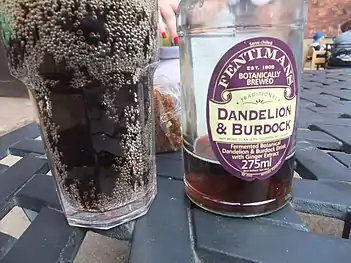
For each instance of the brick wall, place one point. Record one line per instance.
(326, 16)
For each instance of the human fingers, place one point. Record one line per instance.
(169, 17)
(174, 4)
(161, 26)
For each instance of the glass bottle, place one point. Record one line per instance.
(89, 68)
(240, 70)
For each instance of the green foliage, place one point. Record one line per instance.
(5, 30)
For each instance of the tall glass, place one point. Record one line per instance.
(240, 70)
(89, 68)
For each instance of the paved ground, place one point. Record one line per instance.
(15, 108)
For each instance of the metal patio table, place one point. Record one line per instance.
(175, 231)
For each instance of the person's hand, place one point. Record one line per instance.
(167, 17)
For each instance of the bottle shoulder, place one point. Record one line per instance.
(203, 14)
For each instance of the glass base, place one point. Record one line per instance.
(112, 218)
(247, 210)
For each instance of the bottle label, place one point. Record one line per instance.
(251, 107)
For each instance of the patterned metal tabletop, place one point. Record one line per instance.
(175, 231)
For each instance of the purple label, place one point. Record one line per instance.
(251, 107)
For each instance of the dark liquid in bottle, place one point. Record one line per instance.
(210, 186)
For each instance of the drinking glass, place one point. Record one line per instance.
(89, 68)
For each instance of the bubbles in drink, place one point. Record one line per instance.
(85, 63)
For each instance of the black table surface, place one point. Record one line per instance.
(174, 230)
